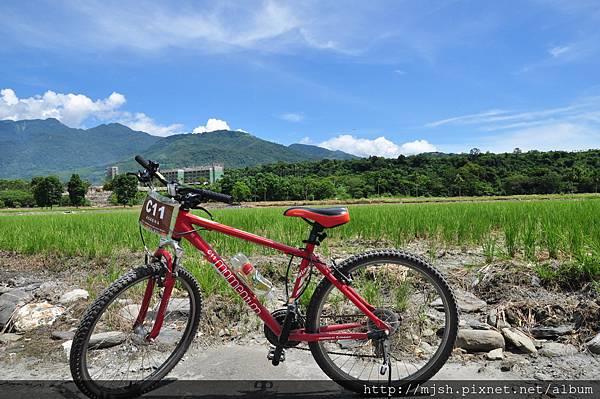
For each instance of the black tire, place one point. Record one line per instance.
(95, 311)
(352, 265)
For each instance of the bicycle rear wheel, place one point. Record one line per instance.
(111, 358)
(407, 293)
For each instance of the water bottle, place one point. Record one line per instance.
(251, 276)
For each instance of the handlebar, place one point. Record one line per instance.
(228, 199)
(140, 159)
(152, 169)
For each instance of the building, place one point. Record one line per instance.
(195, 174)
(112, 172)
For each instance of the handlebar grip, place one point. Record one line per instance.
(228, 199)
(140, 159)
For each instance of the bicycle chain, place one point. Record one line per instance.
(337, 353)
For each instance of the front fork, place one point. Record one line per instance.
(172, 265)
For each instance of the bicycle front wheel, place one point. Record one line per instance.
(408, 294)
(111, 356)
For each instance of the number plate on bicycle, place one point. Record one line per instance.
(158, 214)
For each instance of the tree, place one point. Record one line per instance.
(475, 152)
(77, 189)
(241, 191)
(47, 191)
(125, 188)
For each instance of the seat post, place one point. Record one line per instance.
(316, 234)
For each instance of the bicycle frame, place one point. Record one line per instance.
(185, 227)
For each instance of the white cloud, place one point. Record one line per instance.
(211, 125)
(144, 123)
(502, 119)
(574, 126)
(553, 136)
(76, 109)
(417, 147)
(71, 109)
(305, 140)
(380, 146)
(292, 117)
(557, 51)
(269, 26)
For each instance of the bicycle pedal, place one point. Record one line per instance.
(271, 356)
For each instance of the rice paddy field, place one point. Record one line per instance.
(529, 229)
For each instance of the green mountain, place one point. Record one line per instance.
(233, 149)
(41, 147)
(315, 152)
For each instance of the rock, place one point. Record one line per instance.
(48, 290)
(495, 321)
(555, 349)
(435, 315)
(479, 340)
(9, 337)
(510, 363)
(466, 302)
(518, 339)
(67, 347)
(31, 286)
(426, 348)
(74, 296)
(9, 302)
(106, 339)
(34, 315)
(4, 289)
(551, 332)
(477, 325)
(495, 354)
(178, 307)
(62, 335)
(130, 312)
(593, 345)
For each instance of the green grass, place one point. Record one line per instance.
(534, 230)
(562, 228)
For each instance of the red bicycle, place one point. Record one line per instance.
(383, 316)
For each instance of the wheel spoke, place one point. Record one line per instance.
(403, 291)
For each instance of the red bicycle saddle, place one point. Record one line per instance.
(326, 217)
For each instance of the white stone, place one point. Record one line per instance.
(479, 340)
(129, 313)
(106, 339)
(67, 347)
(495, 354)
(556, 349)
(519, 340)
(74, 296)
(34, 315)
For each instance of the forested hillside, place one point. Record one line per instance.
(433, 174)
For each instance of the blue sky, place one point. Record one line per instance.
(380, 77)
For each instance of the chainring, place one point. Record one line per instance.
(279, 315)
